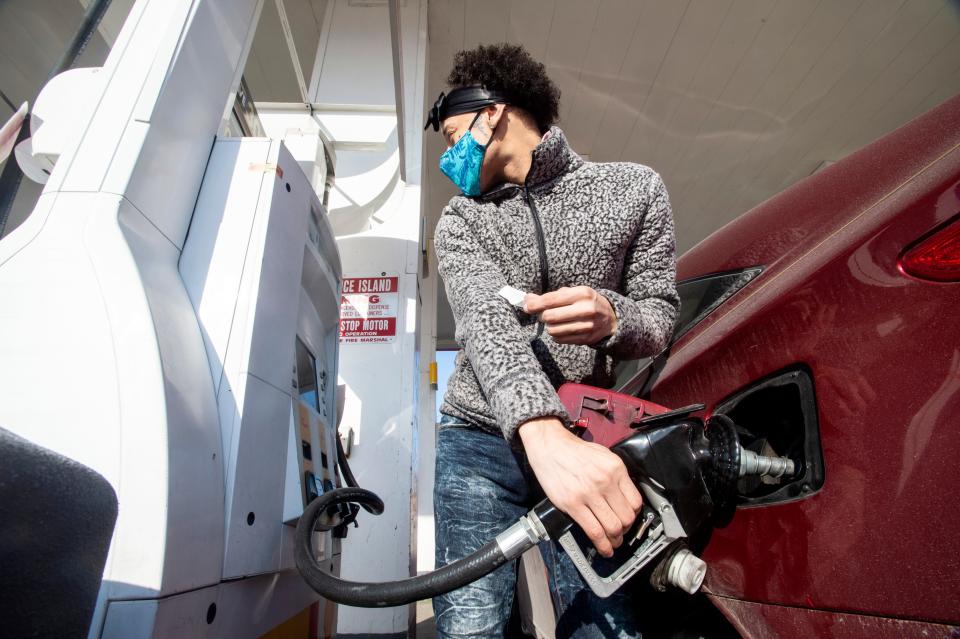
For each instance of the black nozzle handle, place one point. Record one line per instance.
(555, 522)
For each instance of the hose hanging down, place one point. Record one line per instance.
(390, 593)
(385, 594)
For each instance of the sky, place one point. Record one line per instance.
(444, 368)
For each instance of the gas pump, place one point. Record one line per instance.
(169, 319)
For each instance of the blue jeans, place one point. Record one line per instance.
(482, 487)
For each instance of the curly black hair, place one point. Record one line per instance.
(509, 68)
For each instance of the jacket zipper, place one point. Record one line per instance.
(541, 247)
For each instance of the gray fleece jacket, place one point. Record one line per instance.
(604, 225)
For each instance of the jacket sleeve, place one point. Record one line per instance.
(647, 302)
(489, 331)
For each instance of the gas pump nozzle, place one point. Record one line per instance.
(686, 469)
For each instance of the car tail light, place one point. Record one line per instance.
(935, 257)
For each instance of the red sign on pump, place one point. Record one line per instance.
(368, 310)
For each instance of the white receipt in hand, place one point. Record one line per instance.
(513, 295)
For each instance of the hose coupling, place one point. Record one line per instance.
(523, 535)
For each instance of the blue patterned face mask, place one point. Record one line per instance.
(462, 162)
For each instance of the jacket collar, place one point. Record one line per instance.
(552, 158)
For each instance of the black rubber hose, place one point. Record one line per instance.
(345, 471)
(389, 593)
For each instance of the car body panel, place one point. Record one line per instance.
(884, 350)
(774, 622)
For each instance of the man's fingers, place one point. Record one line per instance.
(620, 498)
(624, 512)
(612, 525)
(579, 310)
(569, 328)
(631, 494)
(531, 301)
(535, 304)
(593, 529)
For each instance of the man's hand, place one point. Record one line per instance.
(577, 315)
(585, 480)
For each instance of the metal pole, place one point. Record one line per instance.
(11, 176)
(396, 35)
(292, 48)
(9, 102)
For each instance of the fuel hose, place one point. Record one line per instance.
(320, 515)
(383, 594)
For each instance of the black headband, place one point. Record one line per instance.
(462, 100)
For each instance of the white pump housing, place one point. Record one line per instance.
(57, 118)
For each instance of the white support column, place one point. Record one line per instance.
(428, 431)
(376, 215)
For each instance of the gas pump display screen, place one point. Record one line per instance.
(307, 375)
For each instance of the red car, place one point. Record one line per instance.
(826, 323)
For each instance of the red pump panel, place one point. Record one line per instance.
(606, 417)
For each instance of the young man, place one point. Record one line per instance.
(593, 245)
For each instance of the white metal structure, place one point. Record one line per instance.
(169, 285)
(187, 285)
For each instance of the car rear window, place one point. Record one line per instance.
(699, 296)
